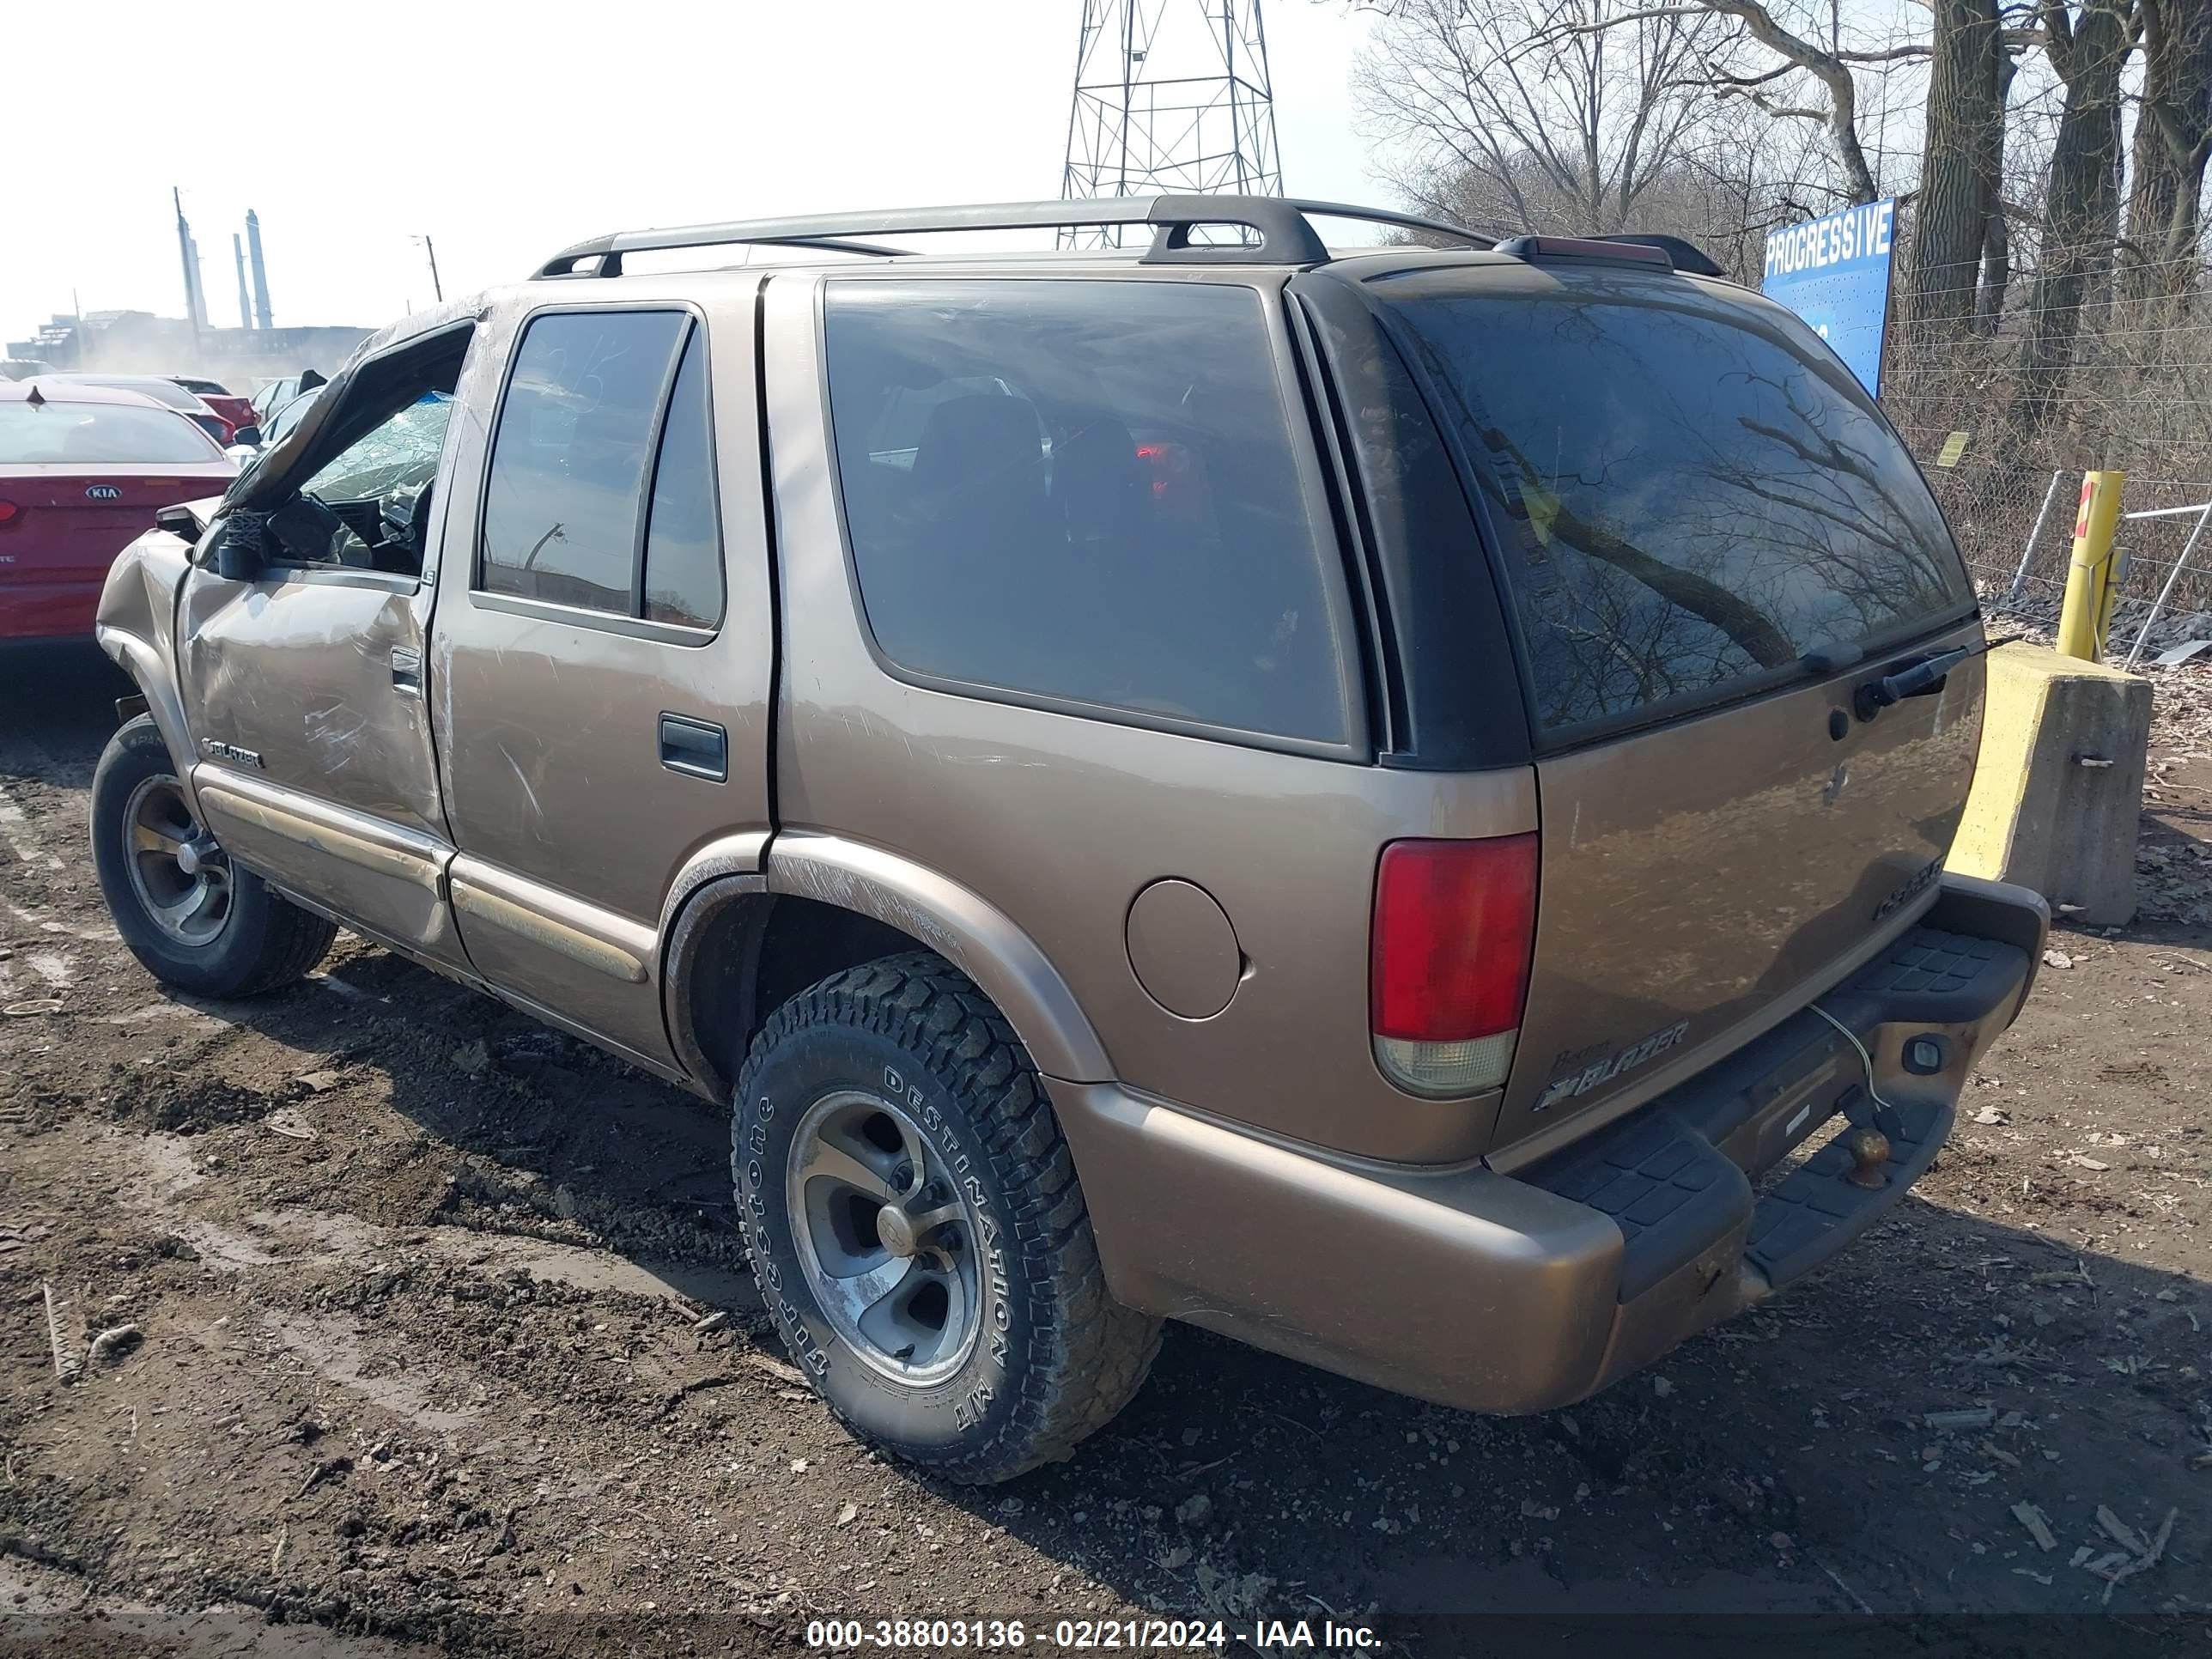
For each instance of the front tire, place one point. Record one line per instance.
(194, 920)
(915, 1226)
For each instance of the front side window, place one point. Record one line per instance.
(1692, 494)
(1085, 491)
(401, 454)
(572, 462)
(370, 504)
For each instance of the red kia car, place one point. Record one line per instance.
(238, 411)
(161, 389)
(82, 469)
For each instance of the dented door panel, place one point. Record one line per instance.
(373, 873)
(296, 669)
(295, 690)
(303, 688)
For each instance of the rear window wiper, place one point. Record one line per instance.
(1917, 679)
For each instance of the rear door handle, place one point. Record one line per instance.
(407, 670)
(695, 748)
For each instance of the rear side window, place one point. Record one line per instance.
(683, 542)
(565, 499)
(61, 433)
(1691, 495)
(1085, 492)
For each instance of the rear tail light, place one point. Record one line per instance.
(1455, 927)
(7, 511)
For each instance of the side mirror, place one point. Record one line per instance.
(238, 551)
(248, 435)
(179, 520)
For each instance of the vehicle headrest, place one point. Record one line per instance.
(1098, 481)
(986, 440)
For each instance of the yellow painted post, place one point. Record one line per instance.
(2087, 609)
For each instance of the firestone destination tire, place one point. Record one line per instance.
(915, 1226)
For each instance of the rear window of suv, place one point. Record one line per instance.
(1692, 493)
(1085, 493)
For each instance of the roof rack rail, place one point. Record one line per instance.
(1615, 250)
(1285, 236)
(1687, 256)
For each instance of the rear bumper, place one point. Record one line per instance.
(49, 610)
(1523, 1293)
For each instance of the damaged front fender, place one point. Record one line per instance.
(135, 625)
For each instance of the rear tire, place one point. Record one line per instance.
(194, 920)
(915, 1226)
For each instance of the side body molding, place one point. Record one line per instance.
(960, 926)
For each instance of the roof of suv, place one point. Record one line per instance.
(1276, 231)
(1279, 223)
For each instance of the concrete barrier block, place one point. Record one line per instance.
(2058, 788)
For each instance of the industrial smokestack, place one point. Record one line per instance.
(238, 253)
(260, 271)
(189, 256)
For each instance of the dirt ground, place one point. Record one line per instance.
(442, 1337)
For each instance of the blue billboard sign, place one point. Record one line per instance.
(1833, 271)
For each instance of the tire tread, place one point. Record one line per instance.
(1089, 1354)
(287, 940)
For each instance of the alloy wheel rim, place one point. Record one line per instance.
(885, 1239)
(181, 878)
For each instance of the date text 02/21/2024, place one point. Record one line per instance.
(940, 1635)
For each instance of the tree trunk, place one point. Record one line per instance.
(2173, 139)
(1963, 153)
(1996, 235)
(1996, 274)
(1831, 71)
(2081, 205)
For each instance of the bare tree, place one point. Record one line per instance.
(1831, 65)
(1805, 53)
(1961, 252)
(1542, 114)
(2088, 43)
(2173, 142)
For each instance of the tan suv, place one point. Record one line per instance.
(1391, 806)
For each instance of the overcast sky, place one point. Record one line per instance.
(507, 132)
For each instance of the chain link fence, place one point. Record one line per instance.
(1994, 416)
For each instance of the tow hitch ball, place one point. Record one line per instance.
(1866, 1140)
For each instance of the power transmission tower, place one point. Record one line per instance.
(1170, 95)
